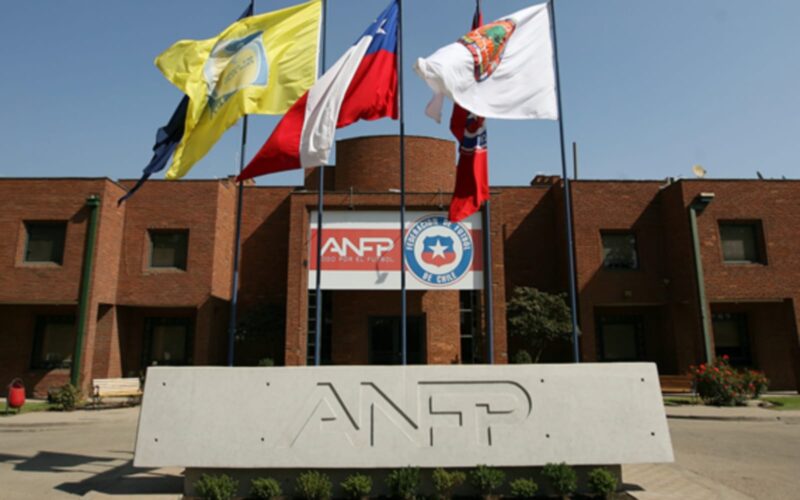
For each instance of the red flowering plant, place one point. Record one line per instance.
(720, 384)
(755, 382)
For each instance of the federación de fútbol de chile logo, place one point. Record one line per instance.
(438, 252)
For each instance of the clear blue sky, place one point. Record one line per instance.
(649, 87)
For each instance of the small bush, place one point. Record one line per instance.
(602, 482)
(445, 482)
(265, 488)
(266, 362)
(216, 487)
(755, 382)
(65, 398)
(522, 357)
(562, 478)
(719, 384)
(357, 486)
(487, 479)
(313, 485)
(404, 482)
(524, 488)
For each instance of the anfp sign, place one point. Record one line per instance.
(363, 250)
(395, 416)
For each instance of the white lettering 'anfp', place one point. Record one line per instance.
(365, 245)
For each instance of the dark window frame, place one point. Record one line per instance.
(156, 232)
(149, 329)
(639, 335)
(60, 245)
(759, 241)
(326, 351)
(470, 333)
(636, 254)
(743, 357)
(37, 361)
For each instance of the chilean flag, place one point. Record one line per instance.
(361, 85)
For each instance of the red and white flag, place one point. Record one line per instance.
(361, 85)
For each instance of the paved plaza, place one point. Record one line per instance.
(720, 454)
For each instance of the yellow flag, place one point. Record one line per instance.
(258, 65)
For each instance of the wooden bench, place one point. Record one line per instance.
(130, 388)
(676, 384)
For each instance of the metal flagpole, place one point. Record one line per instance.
(403, 303)
(487, 278)
(487, 243)
(567, 198)
(237, 250)
(320, 201)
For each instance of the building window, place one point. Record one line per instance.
(621, 338)
(168, 249)
(53, 342)
(469, 309)
(730, 337)
(741, 242)
(45, 241)
(326, 349)
(168, 341)
(619, 250)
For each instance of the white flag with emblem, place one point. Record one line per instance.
(503, 69)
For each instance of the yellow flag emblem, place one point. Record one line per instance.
(258, 65)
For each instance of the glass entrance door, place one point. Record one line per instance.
(385, 342)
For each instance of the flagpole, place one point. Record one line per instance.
(320, 203)
(487, 279)
(403, 303)
(567, 197)
(237, 251)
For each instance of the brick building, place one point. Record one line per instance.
(158, 288)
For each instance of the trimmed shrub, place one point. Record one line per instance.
(524, 488)
(404, 483)
(562, 478)
(357, 486)
(65, 398)
(755, 382)
(216, 487)
(265, 488)
(446, 481)
(266, 362)
(487, 479)
(522, 357)
(720, 384)
(602, 482)
(314, 485)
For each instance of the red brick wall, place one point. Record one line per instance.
(189, 205)
(45, 200)
(372, 164)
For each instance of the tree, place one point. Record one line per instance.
(540, 317)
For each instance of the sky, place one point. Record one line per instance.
(649, 88)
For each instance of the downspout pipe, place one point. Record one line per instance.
(93, 204)
(696, 207)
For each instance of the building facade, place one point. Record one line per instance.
(157, 289)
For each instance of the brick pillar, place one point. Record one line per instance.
(107, 355)
(443, 325)
(297, 287)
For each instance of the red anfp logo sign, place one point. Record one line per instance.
(357, 249)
